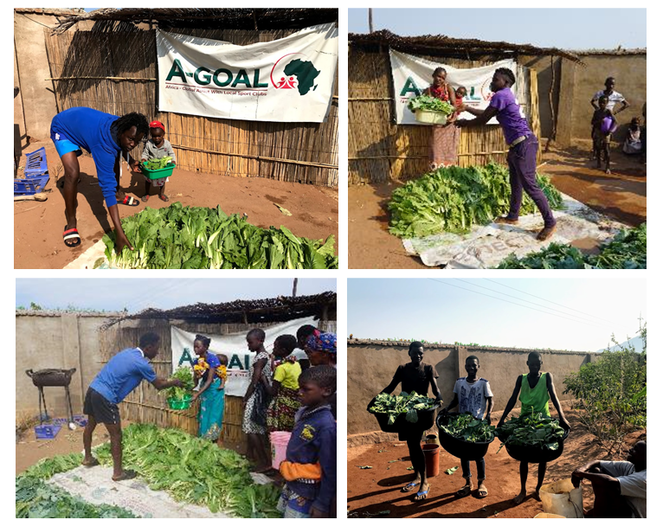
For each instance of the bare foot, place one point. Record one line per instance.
(92, 462)
(518, 500)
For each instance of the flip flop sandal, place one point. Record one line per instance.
(93, 463)
(163, 197)
(129, 201)
(71, 234)
(482, 491)
(145, 198)
(127, 474)
(464, 492)
(419, 496)
(410, 486)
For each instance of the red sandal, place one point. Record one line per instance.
(73, 235)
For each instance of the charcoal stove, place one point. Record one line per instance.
(52, 378)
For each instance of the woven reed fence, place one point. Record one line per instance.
(146, 405)
(115, 72)
(379, 150)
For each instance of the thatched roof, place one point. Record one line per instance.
(250, 19)
(279, 309)
(444, 46)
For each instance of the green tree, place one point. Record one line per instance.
(611, 393)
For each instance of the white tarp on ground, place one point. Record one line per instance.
(94, 485)
(487, 246)
(235, 348)
(288, 80)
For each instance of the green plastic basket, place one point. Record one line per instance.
(157, 174)
(179, 405)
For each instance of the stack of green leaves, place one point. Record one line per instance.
(194, 470)
(404, 403)
(36, 498)
(452, 199)
(533, 430)
(185, 375)
(157, 164)
(467, 428)
(189, 237)
(426, 103)
(626, 251)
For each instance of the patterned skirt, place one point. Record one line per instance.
(282, 410)
(443, 147)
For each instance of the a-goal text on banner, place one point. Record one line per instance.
(235, 348)
(285, 80)
(412, 75)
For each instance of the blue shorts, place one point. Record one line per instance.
(63, 145)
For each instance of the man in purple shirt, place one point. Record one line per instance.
(115, 381)
(522, 156)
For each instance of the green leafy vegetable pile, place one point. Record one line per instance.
(426, 103)
(157, 164)
(195, 237)
(452, 199)
(533, 430)
(194, 470)
(467, 428)
(36, 498)
(626, 251)
(185, 375)
(404, 403)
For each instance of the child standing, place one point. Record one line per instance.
(536, 389)
(603, 124)
(285, 400)
(310, 467)
(472, 395)
(156, 148)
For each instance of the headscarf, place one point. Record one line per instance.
(320, 341)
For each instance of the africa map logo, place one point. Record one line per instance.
(298, 74)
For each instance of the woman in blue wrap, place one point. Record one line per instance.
(209, 374)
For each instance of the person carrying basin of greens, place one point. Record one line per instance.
(107, 138)
(443, 145)
(284, 387)
(256, 401)
(415, 376)
(472, 395)
(208, 374)
(522, 153)
(121, 374)
(619, 486)
(534, 391)
(157, 148)
(309, 469)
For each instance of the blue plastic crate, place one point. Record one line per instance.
(30, 186)
(47, 432)
(36, 163)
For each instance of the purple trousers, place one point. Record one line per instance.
(522, 162)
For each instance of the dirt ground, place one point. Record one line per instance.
(620, 195)
(376, 490)
(38, 226)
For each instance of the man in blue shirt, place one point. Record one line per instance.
(115, 381)
(106, 137)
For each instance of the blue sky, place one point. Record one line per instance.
(571, 29)
(112, 294)
(553, 313)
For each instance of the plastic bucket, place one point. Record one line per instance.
(279, 442)
(432, 459)
(562, 499)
